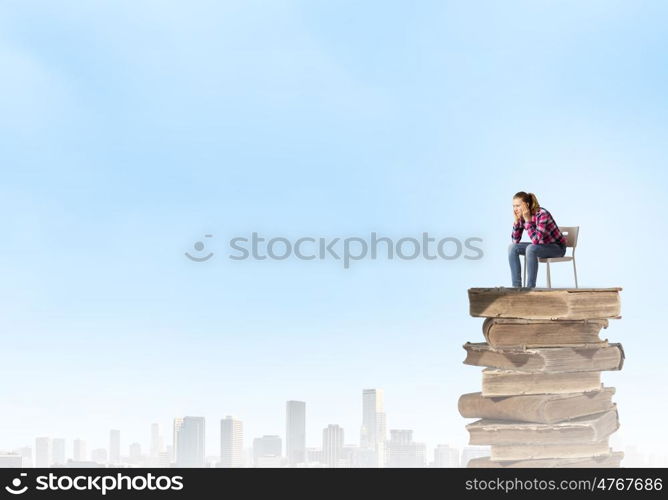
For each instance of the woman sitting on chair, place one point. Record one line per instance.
(546, 238)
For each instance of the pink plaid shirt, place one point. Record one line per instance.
(542, 229)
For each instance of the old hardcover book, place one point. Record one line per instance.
(512, 383)
(541, 408)
(584, 358)
(589, 429)
(613, 460)
(545, 303)
(501, 332)
(568, 450)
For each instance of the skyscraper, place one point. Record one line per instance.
(114, 446)
(231, 442)
(58, 449)
(155, 441)
(373, 433)
(295, 431)
(190, 443)
(43, 452)
(79, 453)
(178, 422)
(332, 445)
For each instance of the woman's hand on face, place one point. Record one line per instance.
(526, 215)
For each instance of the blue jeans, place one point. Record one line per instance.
(533, 253)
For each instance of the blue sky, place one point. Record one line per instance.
(128, 130)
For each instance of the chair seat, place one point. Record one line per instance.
(555, 259)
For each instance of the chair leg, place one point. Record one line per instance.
(549, 281)
(524, 281)
(575, 273)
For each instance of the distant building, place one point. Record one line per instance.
(350, 456)
(332, 445)
(156, 441)
(373, 433)
(99, 455)
(265, 448)
(403, 452)
(26, 454)
(164, 459)
(114, 446)
(58, 452)
(446, 456)
(10, 460)
(231, 442)
(43, 452)
(79, 452)
(314, 456)
(360, 457)
(135, 454)
(295, 431)
(178, 422)
(190, 442)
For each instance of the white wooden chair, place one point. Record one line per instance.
(571, 234)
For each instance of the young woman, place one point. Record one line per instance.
(546, 239)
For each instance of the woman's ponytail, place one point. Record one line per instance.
(533, 206)
(530, 199)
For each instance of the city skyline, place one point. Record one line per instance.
(188, 445)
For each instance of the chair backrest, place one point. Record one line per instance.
(571, 235)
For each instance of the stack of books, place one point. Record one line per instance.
(542, 403)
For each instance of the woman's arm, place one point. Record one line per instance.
(537, 230)
(517, 231)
